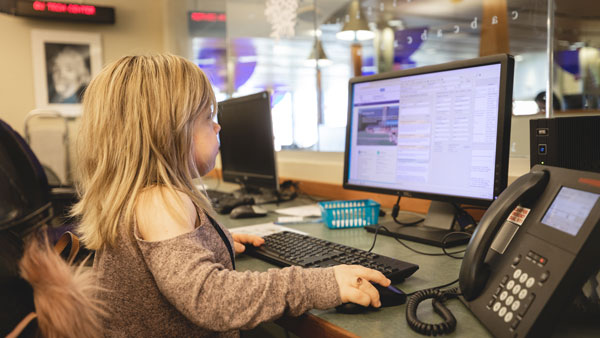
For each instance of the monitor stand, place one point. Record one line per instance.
(437, 224)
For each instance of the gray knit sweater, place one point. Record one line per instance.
(185, 287)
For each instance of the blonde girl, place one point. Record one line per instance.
(147, 131)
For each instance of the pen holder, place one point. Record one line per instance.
(349, 214)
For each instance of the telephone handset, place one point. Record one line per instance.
(473, 271)
(532, 251)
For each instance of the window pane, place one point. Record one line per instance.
(241, 55)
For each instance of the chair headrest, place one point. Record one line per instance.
(24, 191)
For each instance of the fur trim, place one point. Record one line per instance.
(64, 295)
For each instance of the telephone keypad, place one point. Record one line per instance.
(530, 282)
(508, 317)
(523, 277)
(523, 294)
(517, 273)
(514, 294)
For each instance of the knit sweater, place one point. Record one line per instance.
(185, 287)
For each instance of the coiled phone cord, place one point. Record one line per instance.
(439, 297)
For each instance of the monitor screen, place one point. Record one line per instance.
(247, 150)
(437, 132)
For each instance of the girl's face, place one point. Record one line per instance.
(206, 142)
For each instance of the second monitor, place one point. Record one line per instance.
(247, 149)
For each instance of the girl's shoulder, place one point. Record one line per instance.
(161, 214)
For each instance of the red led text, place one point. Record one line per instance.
(59, 7)
(207, 17)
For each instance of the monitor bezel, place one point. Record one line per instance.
(253, 180)
(506, 62)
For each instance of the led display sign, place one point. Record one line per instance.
(207, 24)
(64, 11)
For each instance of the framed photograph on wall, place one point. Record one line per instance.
(64, 62)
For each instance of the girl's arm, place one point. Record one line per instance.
(219, 299)
(208, 294)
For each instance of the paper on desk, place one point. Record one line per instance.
(263, 229)
(302, 211)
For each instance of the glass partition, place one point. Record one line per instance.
(246, 46)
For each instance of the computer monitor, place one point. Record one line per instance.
(438, 132)
(247, 149)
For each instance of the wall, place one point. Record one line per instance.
(138, 29)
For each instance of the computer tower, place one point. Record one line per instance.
(566, 142)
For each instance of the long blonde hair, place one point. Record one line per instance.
(136, 132)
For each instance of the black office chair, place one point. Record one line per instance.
(29, 182)
(26, 189)
(25, 209)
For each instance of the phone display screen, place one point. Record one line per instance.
(569, 210)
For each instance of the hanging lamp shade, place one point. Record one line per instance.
(318, 54)
(355, 25)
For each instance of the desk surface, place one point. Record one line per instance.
(388, 322)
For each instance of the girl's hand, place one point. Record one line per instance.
(353, 281)
(240, 239)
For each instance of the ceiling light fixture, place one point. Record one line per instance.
(355, 26)
(318, 54)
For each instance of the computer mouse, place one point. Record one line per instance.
(389, 296)
(352, 308)
(226, 204)
(247, 211)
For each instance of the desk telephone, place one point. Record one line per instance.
(532, 251)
